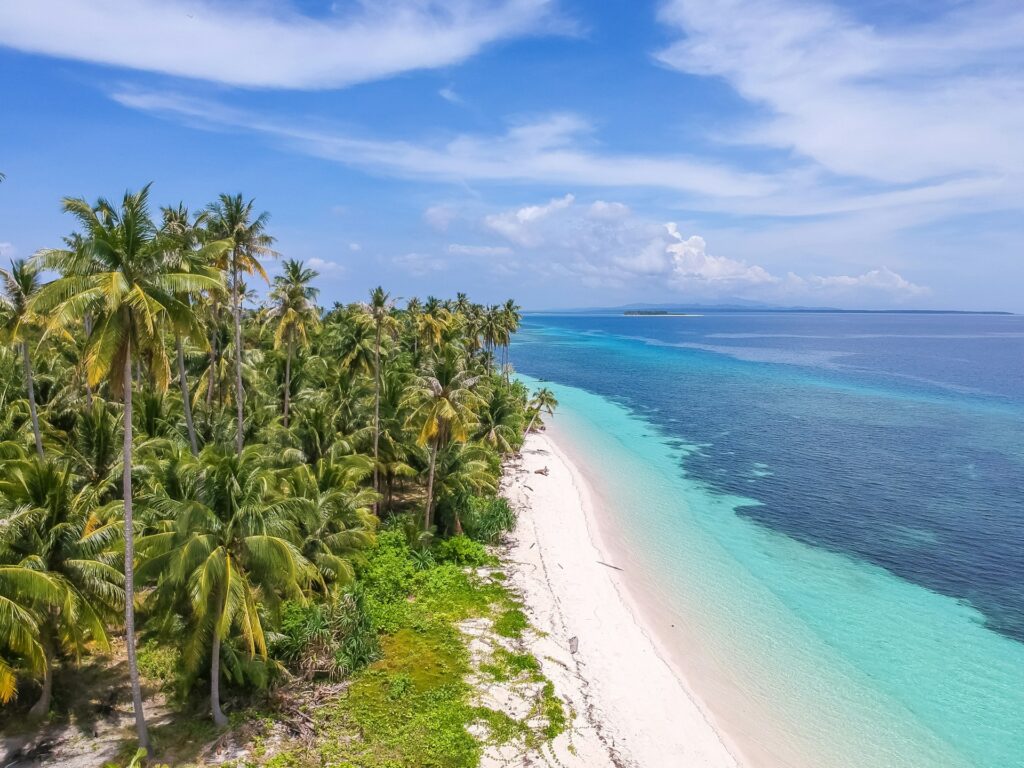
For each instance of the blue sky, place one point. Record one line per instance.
(567, 153)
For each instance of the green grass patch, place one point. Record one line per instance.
(511, 623)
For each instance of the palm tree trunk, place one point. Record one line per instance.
(239, 393)
(530, 425)
(185, 398)
(430, 488)
(129, 556)
(87, 322)
(30, 385)
(287, 382)
(211, 376)
(218, 714)
(376, 417)
(42, 707)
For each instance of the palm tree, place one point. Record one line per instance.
(185, 239)
(122, 277)
(378, 309)
(294, 310)
(227, 549)
(498, 420)
(21, 284)
(63, 534)
(231, 218)
(543, 400)
(25, 593)
(443, 410)
(510, 324)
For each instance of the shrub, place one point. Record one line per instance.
(462, 550)
(330, 639)
(485, 518)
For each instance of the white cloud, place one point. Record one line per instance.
(519, 225)
(265, 45)
(548, 149)
(566, 241)
(324, 265)
(691, 262)
(355, 247)
(896, 103)
(7, 250)
(419, 264)
(479, 250)
(448, 94)
(600, 209)
(440, 217)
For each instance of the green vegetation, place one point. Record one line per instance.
(253, 491)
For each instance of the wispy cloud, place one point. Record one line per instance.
(458, 249)
(271, 45)
(897, 104)
(551, 149)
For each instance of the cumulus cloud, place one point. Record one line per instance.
(324, 265)
(7, 250)
(478, 250)
(448, 94)
(215, 41)
(440, 217)
(629, 251)
(520, 225)
(355, 247)
(691, 262)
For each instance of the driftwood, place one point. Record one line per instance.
(609, 565)
(542, 471)
(574, 644)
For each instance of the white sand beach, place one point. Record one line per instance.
(631, 708)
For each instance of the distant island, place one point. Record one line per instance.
(740, 305)
(659, 312)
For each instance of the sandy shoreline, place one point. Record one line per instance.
(631, 708)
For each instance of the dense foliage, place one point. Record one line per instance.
(207, 472)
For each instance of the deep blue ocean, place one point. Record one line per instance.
(893, 440)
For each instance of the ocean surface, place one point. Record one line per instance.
(829, 511)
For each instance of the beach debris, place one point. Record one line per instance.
(609, 565)
(542, 471)
(574, 644)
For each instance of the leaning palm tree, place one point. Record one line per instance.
(293, 309)
(64, 534)
(20, 285)
(543, 400)
(379, 311)
(122, 278)
(443, 405)
(227, 549)
(231, 218)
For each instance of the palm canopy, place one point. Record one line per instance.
(233, 218)
(121, 276)
(293, 305)
(20, 284)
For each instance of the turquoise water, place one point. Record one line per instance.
(820, 535)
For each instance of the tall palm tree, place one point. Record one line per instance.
(443, 411)
(21, 284)
(122, 277)
(293, 309)
(184, 238)
(231, 218)
(511, 316)
(64, 534)
(378, 309)
(228, 548)
(543, 400)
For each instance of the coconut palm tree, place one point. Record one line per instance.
(64, 534)
(228, 549)
(543, 400)
(293, 310)
(184, 237)
(121, 277)
(25, 594)
(20, 286)
(498, 420)
(379, 310)
(443, 405)
(231, 218)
